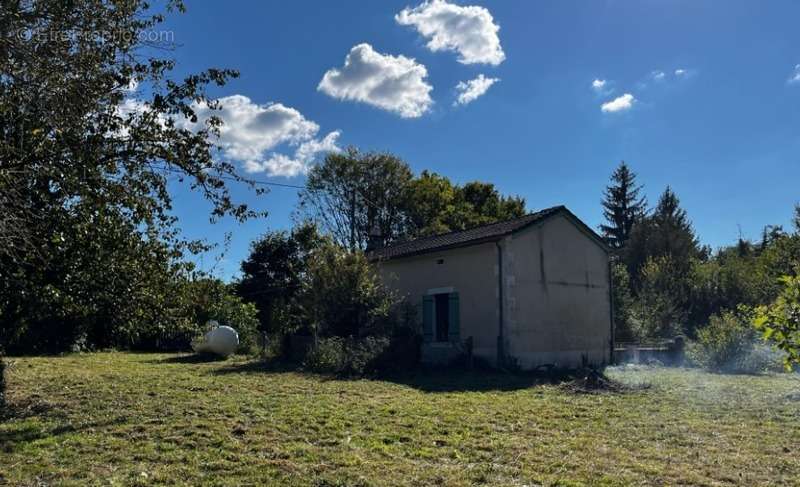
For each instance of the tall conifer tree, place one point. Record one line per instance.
(622, 206)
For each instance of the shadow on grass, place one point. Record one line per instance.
(461, 380)
(423, 379)
(29, 408)
(258, 367)
(51, 421)
(14, 438)
(192, 358)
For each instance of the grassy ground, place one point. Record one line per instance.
(121, 419)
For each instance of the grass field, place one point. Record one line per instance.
(122, 419)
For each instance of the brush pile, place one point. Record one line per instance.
(593, 381)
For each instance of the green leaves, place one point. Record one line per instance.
(779, 322)
(362, 198)
(90, 249)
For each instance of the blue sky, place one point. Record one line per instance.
(699, 97)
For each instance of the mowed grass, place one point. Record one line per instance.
(148, 419)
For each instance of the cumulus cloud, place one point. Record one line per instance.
(599, 84)
(279, 164)
(393, 83)
(250, 132)
(621, 103)
(469, 91)
(795, 77)
(658, 75)
(681, 72)
(468, 30)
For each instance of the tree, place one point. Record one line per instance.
(622, 207)
(353, 195)
(478, 203)
(623, 303)
(780, 321)
(661, 256)
(431, 202)
(660, 309)
(92, 125)
(273, 273)
(343, 295)
(667, 232)
(356, 197)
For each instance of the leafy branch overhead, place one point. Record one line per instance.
(93, 133)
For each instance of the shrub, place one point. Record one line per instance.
(343, 295)
(211, 299)
(272, 276)
(346, 356)
(353, 357)
(780, 321)
(729, 343)
(196, 302)
(657, 312)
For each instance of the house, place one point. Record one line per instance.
(530, 291)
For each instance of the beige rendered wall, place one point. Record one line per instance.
(557, 306)
(469, 271)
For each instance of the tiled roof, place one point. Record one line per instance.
(483, 233)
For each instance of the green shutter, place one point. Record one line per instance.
(454, 330)
(427, 318)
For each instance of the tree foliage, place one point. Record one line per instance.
(273, 274)
(780, 321)
(343, 295)
(623, 206)
(623, 304)
(92, 125)
(364, 199)
(352, 195)
(666, 232)
(729, 343)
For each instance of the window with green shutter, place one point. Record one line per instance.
(441, 317)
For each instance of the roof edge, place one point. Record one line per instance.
(547, 213)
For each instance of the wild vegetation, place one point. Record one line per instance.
(667, 284)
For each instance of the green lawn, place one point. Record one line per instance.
(121, 419)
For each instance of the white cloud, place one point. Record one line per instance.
(599, 84)
(795, 77)
(658, 75)
(624, 102)
(681, 72)
(469, 91)
(305, 154)
(250, 131)
(468, 30)
(393, 83)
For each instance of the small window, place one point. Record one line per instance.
(440, 261)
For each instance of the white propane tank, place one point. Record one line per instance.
(221, 340)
